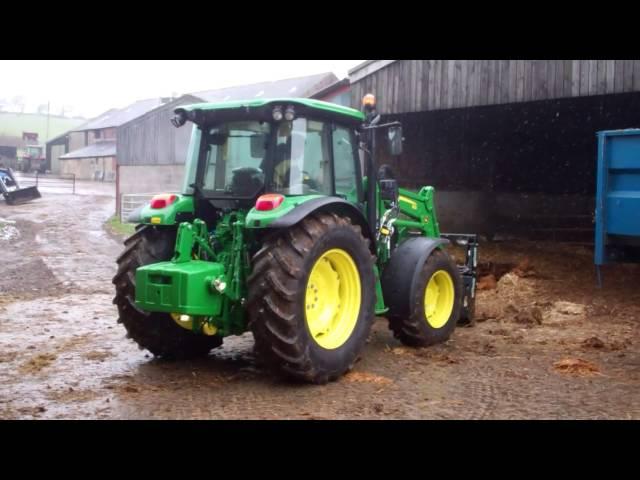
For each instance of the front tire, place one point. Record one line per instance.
(436, 306)
(312, 298)
(155, 331)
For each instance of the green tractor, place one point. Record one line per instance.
(285, 228)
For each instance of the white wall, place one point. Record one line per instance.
(150, 178)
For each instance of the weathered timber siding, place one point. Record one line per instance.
(152, 140)
(421, 85)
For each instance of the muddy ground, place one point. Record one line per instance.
(548, 343)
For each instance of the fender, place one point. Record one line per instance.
(400, 275)
(334, 204)
(179, 211)
(136, 215)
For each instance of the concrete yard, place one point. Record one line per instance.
(548, 344)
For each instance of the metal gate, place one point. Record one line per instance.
(130, 201)
(48, 183)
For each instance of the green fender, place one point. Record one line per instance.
(289, 214)
(179, 211)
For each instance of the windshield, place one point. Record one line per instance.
(235, 154)
(302, 158)
(245, 157)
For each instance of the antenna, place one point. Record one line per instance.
(48, 117)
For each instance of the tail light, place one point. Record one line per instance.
(163, 200)
(269, 201)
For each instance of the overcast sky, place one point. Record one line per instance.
(89, 87)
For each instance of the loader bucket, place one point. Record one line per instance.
(12, 192)
(21, 195)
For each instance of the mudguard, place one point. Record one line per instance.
(181, 209)
(136, 215)
(333, 204)
(400, 275)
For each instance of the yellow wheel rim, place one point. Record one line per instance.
(185, 321)
(438, 299)
(332, 299)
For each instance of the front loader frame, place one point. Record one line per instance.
(468, 271)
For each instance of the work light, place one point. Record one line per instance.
(277, 114)
(289, 113)
(369, 100)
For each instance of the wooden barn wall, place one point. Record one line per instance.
(541, 147)
(153, 140)
(423, 85)
(509, 167)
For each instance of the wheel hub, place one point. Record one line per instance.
(438, 299)
(332, 298)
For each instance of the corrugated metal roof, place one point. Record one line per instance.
(116, 117)
(168, 105)
(365, 69)
(329, 89)
(102, 148)
(289, 87)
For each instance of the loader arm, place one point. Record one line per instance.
(420, 210)
(418, 216)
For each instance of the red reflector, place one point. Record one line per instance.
(269, 201)
(163, 200)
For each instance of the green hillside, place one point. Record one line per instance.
(13, 124)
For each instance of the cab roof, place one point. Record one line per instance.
(322, 107)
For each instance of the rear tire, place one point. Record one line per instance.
(279, 301)
(422, 328)
(155, 331)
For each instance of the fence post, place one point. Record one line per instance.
(74, 183)
(37, 177)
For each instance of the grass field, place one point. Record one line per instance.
(117, 227)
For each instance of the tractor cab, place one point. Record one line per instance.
(293, 147)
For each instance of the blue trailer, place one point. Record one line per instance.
(617, 198)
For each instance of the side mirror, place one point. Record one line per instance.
(179, 119)
(394, 138)
(257, 146)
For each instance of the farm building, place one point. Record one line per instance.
(288, 87)
(151, 152)
(338, 92)
(510, 145)
(9, 147)
(96, 142)
(17, 130)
